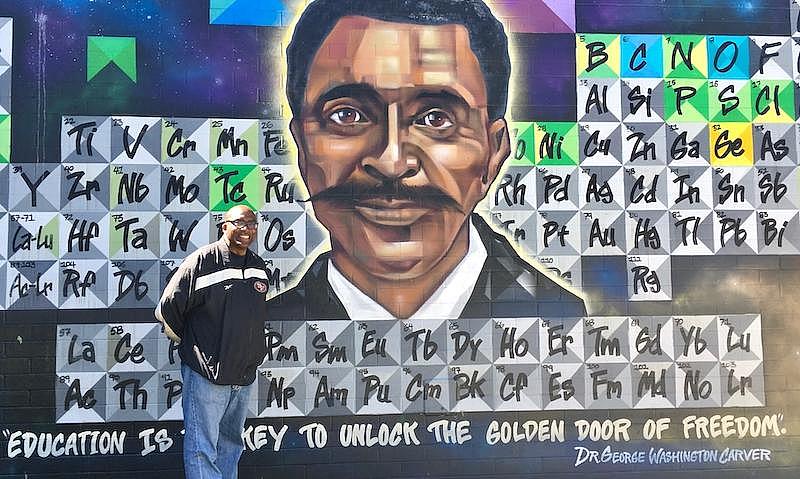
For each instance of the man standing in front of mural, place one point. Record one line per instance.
(398, 116)
(215, 306)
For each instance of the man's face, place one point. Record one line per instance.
(239, 228)
(395, 144)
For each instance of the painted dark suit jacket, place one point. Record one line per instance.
(507, 287)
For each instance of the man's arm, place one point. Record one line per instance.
(174, 303)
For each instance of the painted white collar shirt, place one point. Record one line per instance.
(447, 302)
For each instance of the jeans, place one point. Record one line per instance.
(213, 418)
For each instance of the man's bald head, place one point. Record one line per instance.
(236, 212)
(239, 226)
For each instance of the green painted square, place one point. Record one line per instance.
(231, 185)
(690, 47)
(522, 144)
(556, 143)
(102, 50)
(5, 139)
(685, 100)
(729, 101)
(772, 101)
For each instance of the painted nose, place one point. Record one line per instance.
(395, 161)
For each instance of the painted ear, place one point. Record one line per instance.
(296, 128)
(499, 149)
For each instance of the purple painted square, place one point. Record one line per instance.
(707, 17)
(537, 16)
(543, 77)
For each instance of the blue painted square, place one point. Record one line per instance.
(267, 13)
(729, 57)
(642, 56)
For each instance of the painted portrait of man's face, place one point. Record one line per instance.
(395, 143)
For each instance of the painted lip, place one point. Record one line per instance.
(391, 212)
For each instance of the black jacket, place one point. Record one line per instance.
(507, 287)
(215, 304)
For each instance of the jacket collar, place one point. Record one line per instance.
(225, 251)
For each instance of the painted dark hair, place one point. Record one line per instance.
(487, 38)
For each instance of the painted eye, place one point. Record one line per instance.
(347, 116)
(437, 119)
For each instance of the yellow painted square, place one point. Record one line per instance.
(727, 139)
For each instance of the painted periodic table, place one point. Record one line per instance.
(676, 153)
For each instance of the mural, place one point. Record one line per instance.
(574, 259)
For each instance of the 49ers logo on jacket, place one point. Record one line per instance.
(260, 286)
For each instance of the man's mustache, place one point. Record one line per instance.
(351, 193)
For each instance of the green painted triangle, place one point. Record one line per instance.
(683, 73)
(254, 187)
(126, 60)
(96, 60)
(689, 112)
(786, 99)
(51, 228)
(5, 138)
(115, 241)
(114, 188)
(166, 135)
(734, 116)
(251, 135)
(101, 51)
(523, 126)
(602, 71)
